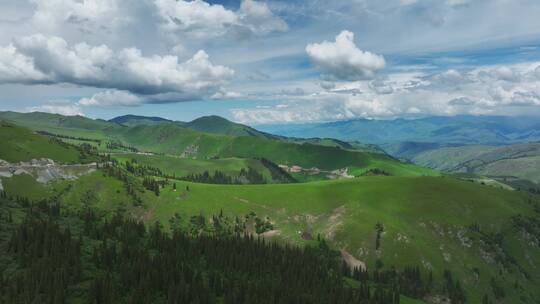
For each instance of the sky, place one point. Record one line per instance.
(273, 61)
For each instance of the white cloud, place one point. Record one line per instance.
(87, 15)
(327, 85)
(112, 98)
(482, 90)
(42, 59)
(342, 60)
(178, 49)
(15, 67)
(222, 94)
(259, 19)
(58, 107)
(198, 17)
(201, 19)
(381, 87)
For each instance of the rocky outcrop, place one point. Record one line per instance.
(45, 170)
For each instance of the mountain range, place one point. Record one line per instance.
(465, 129)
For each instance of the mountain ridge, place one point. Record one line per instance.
(460, 129)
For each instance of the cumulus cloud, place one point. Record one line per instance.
(480, 90)
(196, 16)
(327, 85)
(16, 67)
(47, 60)
(343, 60)
(202, 19)
(66, 108)
(223, 94)
(88, 15)
(112, 98)
(259, 19)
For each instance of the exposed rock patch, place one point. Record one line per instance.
(45, 170)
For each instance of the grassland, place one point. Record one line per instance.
(176, 140)
(426, 220)
(20, 144)
(435, 222)
(178, 166)
(521, 161)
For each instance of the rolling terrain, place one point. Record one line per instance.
(176, 140)
(442, 130)
(484, 238)
(20, 144)
(517, 165)
(483, 235)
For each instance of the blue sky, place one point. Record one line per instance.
(271, 61)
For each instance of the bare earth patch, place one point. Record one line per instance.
(271, 233)
(351, 261)
(334, 222)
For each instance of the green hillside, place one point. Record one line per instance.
(77, 126)
(134, 120)
(519, 161)
(219, 125)
(207, 124)
(181, 167)
(173, 139)
(20, 144)
(484, 235)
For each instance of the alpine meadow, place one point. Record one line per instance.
(269, 151)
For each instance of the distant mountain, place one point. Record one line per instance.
(511, 163)
(448, 130)
(133, 120)
(207, 124)
(213, 137)
(409, 149)
(41, 121)
(219, 125)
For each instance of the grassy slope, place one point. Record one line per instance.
(422, 217)
(219, 125)
(346, 211)
(184, 166)
(20, 144)
(25, 185)
(527, 168)
(133, 120)
(520, 160)
(77, 126)
(174, 139)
